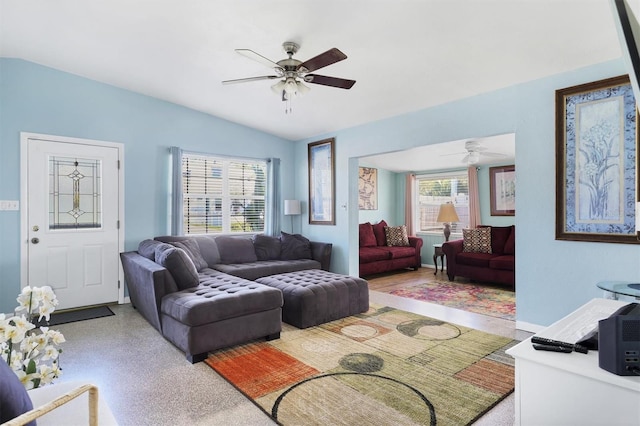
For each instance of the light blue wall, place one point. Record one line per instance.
(553, 277)
(42, 100)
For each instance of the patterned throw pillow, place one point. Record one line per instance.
(477, 240)
(396, 236)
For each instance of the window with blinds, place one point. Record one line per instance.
(222, 195)
(436, 189)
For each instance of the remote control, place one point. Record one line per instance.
(545, 341)
(551, 348)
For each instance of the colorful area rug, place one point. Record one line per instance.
(481, 299)
(384, 367)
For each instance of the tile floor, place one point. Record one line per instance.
(147, 381)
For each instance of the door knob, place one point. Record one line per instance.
(35, 240)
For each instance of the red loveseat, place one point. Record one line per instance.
(376, 256)
(495, 267)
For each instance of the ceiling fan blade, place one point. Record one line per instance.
(258, 58)
(329, 81)
(492, 154)
(329, 57)
(245, 80)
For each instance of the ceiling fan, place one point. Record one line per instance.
(474, 151)
(291, 73)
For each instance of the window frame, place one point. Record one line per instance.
(417, 205)
(225, 196)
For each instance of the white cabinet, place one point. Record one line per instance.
(555, 388)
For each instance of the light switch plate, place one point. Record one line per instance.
(9, 205)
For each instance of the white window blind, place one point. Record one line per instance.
(436, 189)
(222, 195)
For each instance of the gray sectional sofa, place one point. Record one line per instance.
(199, 293)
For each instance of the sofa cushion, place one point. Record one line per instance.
(477, 240)
(400, 252)
(396, 236)
(367, 237)
(191, 247)
(295, 246)
(218, 297)
(499, 237)
(14, 400)
(147, 248)
(474, 259)
(378, 231)
(373, 254)
(506, 262)
(236, 250)
(262, 268)
(267, 247)
(510, 245)
(179, 265)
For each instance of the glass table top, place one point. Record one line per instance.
(626, 288)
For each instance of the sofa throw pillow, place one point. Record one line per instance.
(367, 237)
(192, 249)
(378, 231)
(14, 399)
(295, 246)
(147, 248)
(476, 240)
(396, 236)
(236, 250)
(208, 250)
(179, 265)
(267, 247)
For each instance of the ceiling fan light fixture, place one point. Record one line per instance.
(474, 157)
(278, 87)
(290, 86)
(301, 88)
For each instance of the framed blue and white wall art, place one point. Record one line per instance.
(596, 162)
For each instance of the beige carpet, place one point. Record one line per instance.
(384, 367)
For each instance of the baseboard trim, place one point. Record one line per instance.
(527, 326)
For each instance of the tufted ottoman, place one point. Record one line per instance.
(314, 296)
(221, 311)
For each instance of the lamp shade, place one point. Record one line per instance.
(291, 207)
(447, 213)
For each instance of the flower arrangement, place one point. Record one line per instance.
(32, 350)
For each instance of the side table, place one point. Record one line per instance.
(437, 252)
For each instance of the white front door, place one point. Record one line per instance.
(72, 214)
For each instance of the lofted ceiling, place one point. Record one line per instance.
(405, 55)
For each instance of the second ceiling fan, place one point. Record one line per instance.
(293, 73)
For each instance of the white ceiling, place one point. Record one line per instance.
(405, 55)
(499, 149)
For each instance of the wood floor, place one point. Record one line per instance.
(389, 281)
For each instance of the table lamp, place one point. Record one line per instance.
(447, 214)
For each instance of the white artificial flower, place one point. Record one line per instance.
(27, 379)
(22, 324)
(37, 345)
(56, 337)
(50, 352)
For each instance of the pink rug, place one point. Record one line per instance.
(478, 298)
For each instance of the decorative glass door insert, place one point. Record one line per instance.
(75, 198)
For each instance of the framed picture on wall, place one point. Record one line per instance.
(367, 188)
(502, 189)
(322, 209)
(596, 162)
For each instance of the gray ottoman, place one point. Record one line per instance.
(314, 296)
